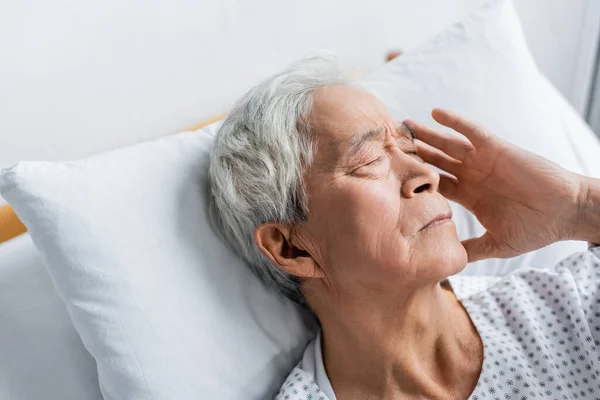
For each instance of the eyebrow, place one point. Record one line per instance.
(358, 140)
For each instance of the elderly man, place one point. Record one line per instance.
(330, 199)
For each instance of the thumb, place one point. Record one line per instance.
(480, 248)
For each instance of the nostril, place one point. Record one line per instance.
(423, 188)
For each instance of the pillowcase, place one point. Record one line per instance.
(165, 308)
(36, 333)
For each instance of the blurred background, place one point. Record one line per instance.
(81, 77)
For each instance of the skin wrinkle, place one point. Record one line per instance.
(376, 278)
(358, 140)
(493, 172)
(357, 143)
(367, 268)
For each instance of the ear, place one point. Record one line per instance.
(274, 241)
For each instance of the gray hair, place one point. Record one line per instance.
(260, 154)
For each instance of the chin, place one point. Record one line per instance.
(449, 256)
(457, 259)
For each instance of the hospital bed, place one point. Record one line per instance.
(41, 354)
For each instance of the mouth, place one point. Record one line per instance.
(440, 219)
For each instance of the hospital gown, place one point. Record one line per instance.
(540, 330)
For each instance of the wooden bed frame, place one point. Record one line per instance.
(11, 226)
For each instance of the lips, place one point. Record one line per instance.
(438, 219)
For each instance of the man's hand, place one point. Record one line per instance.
(524, 201)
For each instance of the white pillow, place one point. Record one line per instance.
(165, 308)
(42, 354)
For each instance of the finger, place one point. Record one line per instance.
(455, 147)
(475, 133)
(480, 248)
(436, 157)
(448, 187)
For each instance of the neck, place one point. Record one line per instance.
(416, 342)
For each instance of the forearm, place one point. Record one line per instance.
(587, 226)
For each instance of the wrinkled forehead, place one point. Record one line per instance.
(340, 111)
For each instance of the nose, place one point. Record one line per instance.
(420, 179)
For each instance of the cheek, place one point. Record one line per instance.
(371, 209)
(359, 225)
(360, 208)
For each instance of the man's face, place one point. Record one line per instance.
(370, 197)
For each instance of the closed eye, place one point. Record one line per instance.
(375, 161)
(370, 163)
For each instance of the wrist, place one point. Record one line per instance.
(586, 225)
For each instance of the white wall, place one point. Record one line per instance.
(80, 77)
